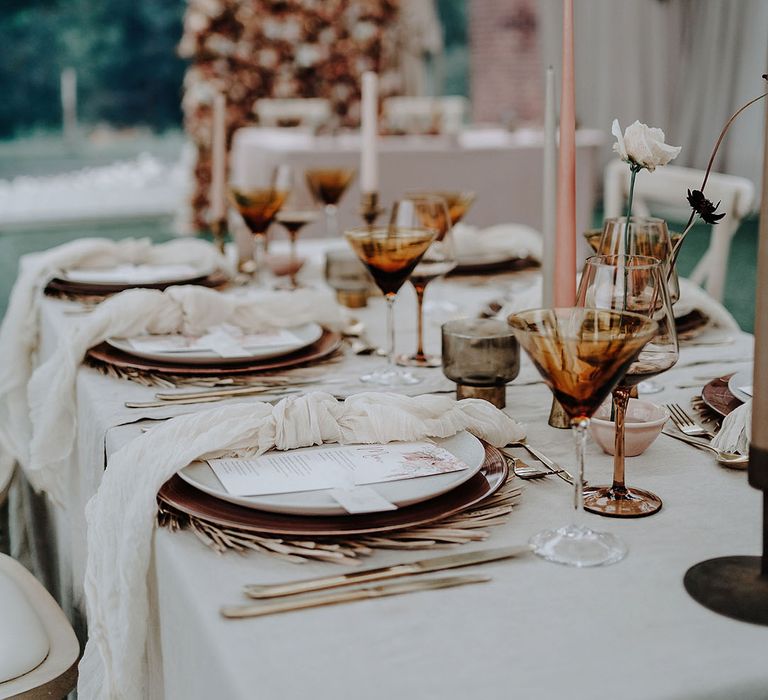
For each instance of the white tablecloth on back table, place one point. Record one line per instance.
(507, 176)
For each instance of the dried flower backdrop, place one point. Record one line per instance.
(251, 49)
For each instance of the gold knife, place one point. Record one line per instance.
(366, 593)
(209, 398)
(424, 566)
(228, 391)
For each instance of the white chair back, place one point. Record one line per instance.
(309, 112)
(44, 645)
(668, 187)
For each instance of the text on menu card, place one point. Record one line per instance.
(332, 466)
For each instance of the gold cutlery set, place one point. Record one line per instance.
(221, 394)
(354, 578)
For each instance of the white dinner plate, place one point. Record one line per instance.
(740, 379)
(306, 334)
(403, 492)
(138, 274)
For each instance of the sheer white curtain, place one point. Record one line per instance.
(682, 65)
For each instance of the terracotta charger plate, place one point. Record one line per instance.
(187, 499)
(719, 397)
(328, 343)
(59, 286)
(485, 268)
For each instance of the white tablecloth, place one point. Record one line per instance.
(538, 630)
(506, 175)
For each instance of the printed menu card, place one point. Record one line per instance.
(332, 466)
(225, 340)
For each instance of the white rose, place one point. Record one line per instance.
(643, 145)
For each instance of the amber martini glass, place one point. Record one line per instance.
(328, 186)
(390, 253)
(258, 207)
(581, 354)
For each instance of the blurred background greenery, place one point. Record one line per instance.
(128, 72)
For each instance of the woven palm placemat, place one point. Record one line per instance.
(470, 525)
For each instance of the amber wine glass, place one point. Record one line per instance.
(258, 203)
(637, 284)
(581, 354)
(431, 212)
(459, 203)
(298, 211)
(390, 253)
(328, 186)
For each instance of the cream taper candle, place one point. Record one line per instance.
(369, 166)
(549, 190)
(218, 194)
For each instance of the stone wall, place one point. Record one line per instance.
(506, 71)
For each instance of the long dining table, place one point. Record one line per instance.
(536, 630)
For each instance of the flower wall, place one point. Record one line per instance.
(251, 49)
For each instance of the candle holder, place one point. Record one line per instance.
(219, 230)
(369, 207)
(481, 356)
(737, 586)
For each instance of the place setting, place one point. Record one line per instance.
(395, 495)
(92, 275)
(219, 352)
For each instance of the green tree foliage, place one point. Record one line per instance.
(124, 53)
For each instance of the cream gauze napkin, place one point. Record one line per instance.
(736, 431)
(499, 241)
(20, 327)
(694, 297)
(186, 309)
(121, 516)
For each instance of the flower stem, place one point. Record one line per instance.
(634, 169)
(720, 138)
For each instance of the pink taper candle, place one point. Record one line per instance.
(565, 243)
